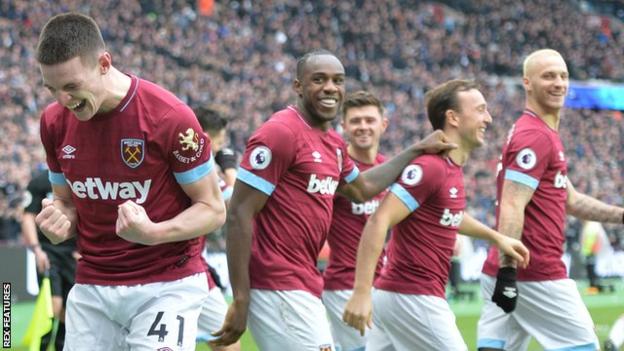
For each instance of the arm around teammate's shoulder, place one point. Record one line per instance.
(585, 207)
(376, 179)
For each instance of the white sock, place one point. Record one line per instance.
(617, 332)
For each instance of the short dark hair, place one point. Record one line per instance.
(69, 35)
(443, 98)
(303, 60)
(210, 118)
(361, 98)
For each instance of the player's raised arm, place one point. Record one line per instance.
(245, 204)
(358, 311)
(583, 206)
(376, 179)
(57, 219)
(206, 214)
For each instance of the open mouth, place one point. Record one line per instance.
(329, 102)
(78, 107)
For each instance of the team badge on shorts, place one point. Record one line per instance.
(132, 152)
(260, 157)
(326, 347)
(526, 159)
(412, 175)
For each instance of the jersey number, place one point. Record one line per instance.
(162, 329)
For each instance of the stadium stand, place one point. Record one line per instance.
(243, 53)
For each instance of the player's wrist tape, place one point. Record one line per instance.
(506, 291)
(507, 273)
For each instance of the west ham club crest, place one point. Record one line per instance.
(132, 152)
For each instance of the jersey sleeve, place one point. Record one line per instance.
(418, 181)
(527, 158)
(47, 133)
(349, 170)
(187, 147)
(268, 155)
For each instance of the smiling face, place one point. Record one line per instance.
(321, 88)
(473, 118)
(546, 81)
(77, 85)
(363, 126)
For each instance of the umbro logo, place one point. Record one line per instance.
(317, 157)
(68, 151)
(453, 192)
(510, 292)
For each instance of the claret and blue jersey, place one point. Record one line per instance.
(141, 151)
(299, 168)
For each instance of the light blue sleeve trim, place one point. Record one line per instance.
(351, 176)
(204, 337)
(586, 347)
(56, 178)
(491, 343)
(194, 174)
(227, 193)
(521, 178)
(255, 181)
(405, 196)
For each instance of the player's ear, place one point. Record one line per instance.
(384, 123)
(104, 62)
(451, 118)
(297, 87)
(526, 83)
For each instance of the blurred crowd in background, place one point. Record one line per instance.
(241, 55)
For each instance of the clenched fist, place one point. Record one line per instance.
(133, 224)
(54, 224)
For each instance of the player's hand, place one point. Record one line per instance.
(514, 250)
(133, 224)
(234, 325)
(435, 143)
(506, 291)
(53, 222)
(42, 260)
(358, 312)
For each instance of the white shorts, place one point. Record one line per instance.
(551, 311)
(345, 337)
(212, 315)
(406, 322)
(289, 320)
(155, 316)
